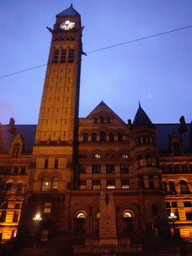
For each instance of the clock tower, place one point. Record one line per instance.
(58, 117)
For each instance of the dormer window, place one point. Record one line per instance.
(176, 149)
(16, 150)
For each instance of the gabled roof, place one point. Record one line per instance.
(102, 110)
(27, 133)
(68, 12)
(141, 118)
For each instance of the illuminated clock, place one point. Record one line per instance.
(67, 25)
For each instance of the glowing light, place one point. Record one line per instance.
(37, 217)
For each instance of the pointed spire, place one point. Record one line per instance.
(69, 12)
(141, 118)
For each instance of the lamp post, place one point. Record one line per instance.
(37, 220)
(173, 217)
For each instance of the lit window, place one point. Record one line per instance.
(55, 184)
(127, 215)
(45, 183)
(81, 215)
(82, 184)
(14, 233)
(96, 184)
(47, 207)
(8, 189)
(44, 234)
(96, 156)
(124, 156)
(125, 184)
(110, 184)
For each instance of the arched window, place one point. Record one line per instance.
(55, 184)
(172, 187)
(96, 156)
(102, 136)
(154, 210)
(124, 156)
(8, 189)
(184, 187)
(80, 225)
(109, 156)
(16, 150)
(44, 184)
(81, 215)
(19, 189)
(148, 157)
(127, 219)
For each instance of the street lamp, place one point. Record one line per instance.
(37, 220)
(37, 217)
(173, 217)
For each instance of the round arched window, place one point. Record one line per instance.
(127, 215)
(124, 156)
(81, 215)
(96, 156)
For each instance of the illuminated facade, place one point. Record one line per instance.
(60, 168)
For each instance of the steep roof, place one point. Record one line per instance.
(27, 133)
(69, 12)
(141, 118)
(102, 110)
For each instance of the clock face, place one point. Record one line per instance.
(67, 25)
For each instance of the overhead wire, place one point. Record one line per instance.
(105, 48)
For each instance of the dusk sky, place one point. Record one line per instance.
(157, 71)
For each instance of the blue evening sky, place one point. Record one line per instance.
(156, 71)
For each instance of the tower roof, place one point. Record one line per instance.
(141, 118)
(69, 12)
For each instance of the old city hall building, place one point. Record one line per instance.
(97, 179)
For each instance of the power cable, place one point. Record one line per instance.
(108, 47)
